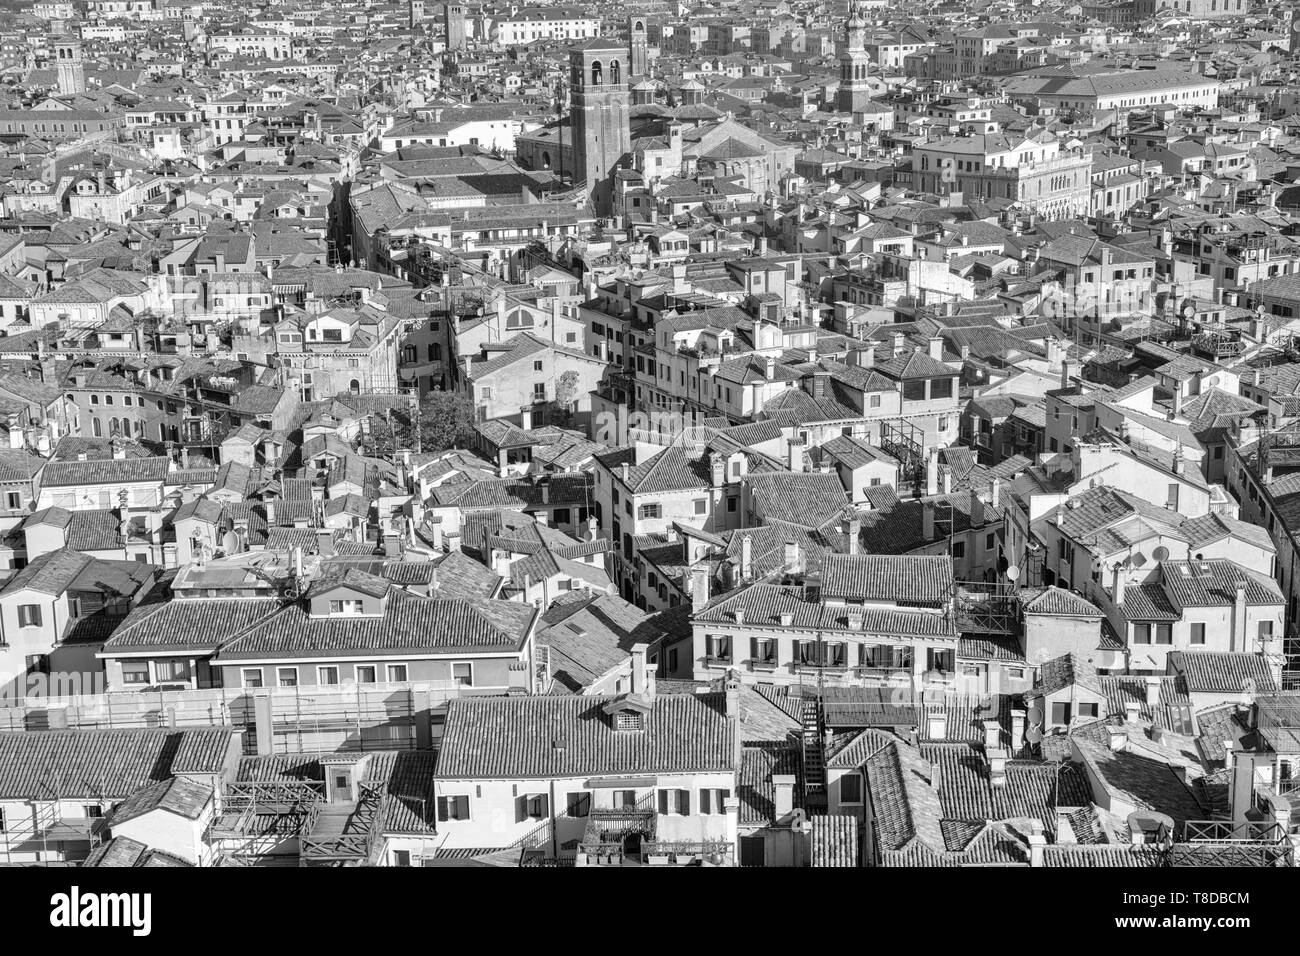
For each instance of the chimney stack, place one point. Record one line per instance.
(699, 587)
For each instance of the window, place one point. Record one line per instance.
(366, 673)
(1141, 633)
(13, 500)
(851, 788)
(463, 674)
(453, 808)
(1088, 710)
(578, 805)
(701, 505)
(92, 811)
(674, 802)
(628, 720)
(327, 675)
(539, 391)
(287, 676)
(136, 672)
(914, 391)
(1164, 633)
(252, 677)
(397, 673)
(1265, 631)
(173, 670)
(29, 615)
(350, 606)
(717, 647)
(959, 549)
(714, 800)
(762, 649)
(941, 388)
(1198, 634)
(401, 858)
(648, 511)
(1172, 502)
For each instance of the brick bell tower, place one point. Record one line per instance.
(601, 137)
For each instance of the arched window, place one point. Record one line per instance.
(355, 387)
(96, 428)
(615, 72)
(639, 26)
(546, 160)
(595, 73)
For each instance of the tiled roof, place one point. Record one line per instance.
(188, 623)
(904, 579)
(178, 795)
(102, 764)
(754, 789)
(410, 625)
(1208, 672)
(1059, 602)
(763, 604)
(514, 737)
(59, 474)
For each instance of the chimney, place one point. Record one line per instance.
(795, 455)
(625, 469)
(783, 794)
(898, 343)
(770, 371)
(324, 541)
(1153, 691)
(1132, 711)
(995, 494)
(936, 725)
(854, 531)
(119, 449)
(268, 508)
(1178, 400)
(1117, 739)
(936, 348)
(16, 439)
(976, 510)
(746, 558)
(791, 561)
(927, 521)
(642, 677)
(526, 417)
(699, 587)
(1037, 843)
(992, 735)
(732, 686)
(1239, 639)
(997, 758)
(1018, 718)
(819, 380)
(932, 471)
(1121, 580)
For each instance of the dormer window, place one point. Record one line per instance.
(345, 607)
(629, 720)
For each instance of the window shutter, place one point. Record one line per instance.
(753, 648)
(543, 807)
(704, 801)
(663, 802)
(684, 802)
(442, 808)
(521, 809)
(462, 808)
(794, 646)
(723, 797)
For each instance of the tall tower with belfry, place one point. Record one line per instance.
(854, 91)
(454, 21)
(67, 59)
(638, 49)
(416, 8)
(602, 138)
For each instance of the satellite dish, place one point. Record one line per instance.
(1034, 736)
(1013, 573)
(1160, 553)
(1035, 715)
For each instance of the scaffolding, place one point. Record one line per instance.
(906, 442)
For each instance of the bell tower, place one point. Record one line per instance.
(72, 72)
(601, 136)
(638, 49)
(854, 91)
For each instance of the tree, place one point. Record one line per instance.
(566, 392)
(446, 421)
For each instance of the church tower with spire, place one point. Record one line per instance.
(854, 90)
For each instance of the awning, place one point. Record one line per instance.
(620, 783)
